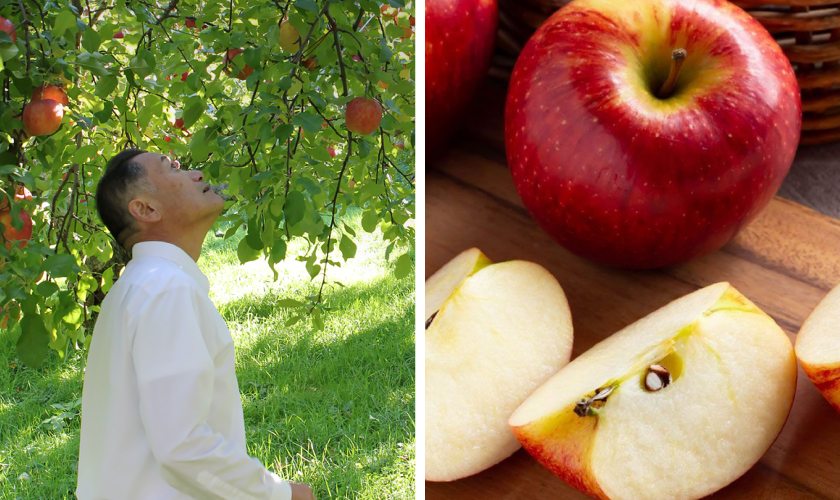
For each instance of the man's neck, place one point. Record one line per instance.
(191, 244)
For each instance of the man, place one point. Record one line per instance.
(161, 411)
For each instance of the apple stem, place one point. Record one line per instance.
(677, 60)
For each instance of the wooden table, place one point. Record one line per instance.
(785, 261)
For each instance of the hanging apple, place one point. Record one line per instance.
(244, 72)
(289, 37)
(9, 28)
(363, 115)
(42, 117)
(51, 92)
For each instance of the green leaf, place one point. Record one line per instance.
(291, 321)
(105, 86)
(347, 247)
(46, 288)
(283, 132)
(278, 251)
(91, 40)
(85, 153)
(193, 113)
(107, 279)
(60, 266)
(288, 303)
(253, 236)
(295, 207)
(403, 266)
(245, 252)
(65, 20)
(309, 121)
(313, 269)
(309, 5)
(317, 320)
(32, 346)
(253, 57)
(369, 220)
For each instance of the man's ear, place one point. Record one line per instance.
(143, 211)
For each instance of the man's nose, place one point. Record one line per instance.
(198, 176)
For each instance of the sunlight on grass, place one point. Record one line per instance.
(334, 408)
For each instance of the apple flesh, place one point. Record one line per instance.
(42, 117)
(626, 174)
(675, 406)
(459, 43)
(363, 115)
(51, 92)
(494, 332)
(818, 347)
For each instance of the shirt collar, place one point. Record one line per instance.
(173, 253)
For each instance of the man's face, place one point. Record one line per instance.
(182, 196)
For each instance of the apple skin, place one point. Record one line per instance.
(363, 115)
(42, 117)
(119, 34)
(190, 23)
(245, 72)
(11, 234)
(9, 28)
(459, 43)
(51, 92)
(625, 179)
(289, 37)
(21, 194)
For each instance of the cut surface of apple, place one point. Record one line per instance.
(675, 406)
(493, 336)
(818, 347)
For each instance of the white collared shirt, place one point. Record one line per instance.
(161, 411)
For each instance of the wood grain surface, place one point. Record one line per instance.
(785, 261)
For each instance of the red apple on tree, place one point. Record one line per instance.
(9, 28)
(21, 194)
(363, 115)
(184, 76)
(119, 34)
(190, 22)
(11, 234)
(332, 152)
(229, 56)
(310, 63)
(646, 134)
(42, 117)
(459, 43)
(179, 123)
(51, 92)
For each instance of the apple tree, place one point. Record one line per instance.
(253, 93)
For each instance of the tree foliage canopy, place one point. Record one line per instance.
(266, 124)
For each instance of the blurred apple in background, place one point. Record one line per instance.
(642, 134)
(459, 43)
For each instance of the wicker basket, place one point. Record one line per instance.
(807, 30)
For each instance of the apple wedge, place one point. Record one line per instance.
(818, 347)
(675, 406)
(494, 333)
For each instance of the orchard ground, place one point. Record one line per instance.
(333, 408)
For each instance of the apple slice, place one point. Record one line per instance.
(818, 347)
(494, 333)
(675, 406)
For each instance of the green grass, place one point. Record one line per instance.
(333, 408)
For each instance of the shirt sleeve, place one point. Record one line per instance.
(175, 378)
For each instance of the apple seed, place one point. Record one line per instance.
(589, 406)
(657, 377)
(431, 318)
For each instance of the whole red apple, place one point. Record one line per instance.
(190, 23)
(51, 92)
(332, 152)
(11, 234)
(9, 28)
(643, 134)
(244, 72)
(459, 43)
(363, 115)
(179, 123)
(42, 117)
